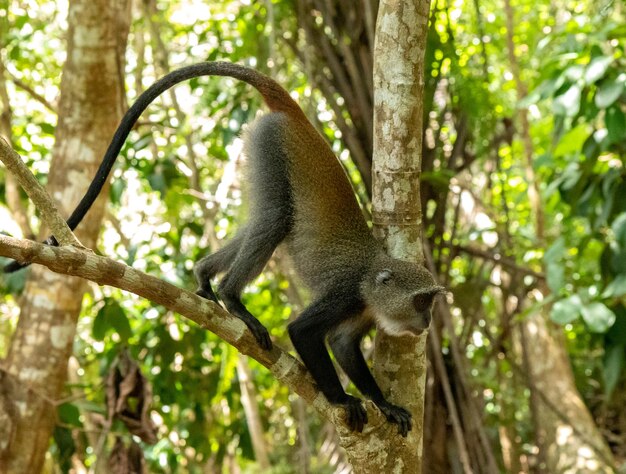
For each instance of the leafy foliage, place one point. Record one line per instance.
(177, 195)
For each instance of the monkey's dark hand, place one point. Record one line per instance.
(396, 414)
(356, 416)
(260, 333)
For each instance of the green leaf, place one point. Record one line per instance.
(609, 91)
(616, 288)
(116, 317)
(597, 68)
(567, 310)
(613, 366)
(572, 141)
(47, 128)
(615, 124)
(69, 414)
(100, 326)
(65, 447)
(575, 72)
(568, 104)
(570, 177)
(15, 281)
(556, 251)
(598, 317)
(619, 229)
(555, 276)
(111, 316)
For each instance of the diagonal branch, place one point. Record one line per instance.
(70, 260)
(38, 195)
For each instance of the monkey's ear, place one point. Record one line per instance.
(384, 276)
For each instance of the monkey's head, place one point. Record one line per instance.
(400, 295)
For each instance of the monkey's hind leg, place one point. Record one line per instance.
(346, 347)
(308, 333)
(263, 236)
(218, 262)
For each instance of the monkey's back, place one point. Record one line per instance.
(328, 239)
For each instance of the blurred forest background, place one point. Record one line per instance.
(524, 198)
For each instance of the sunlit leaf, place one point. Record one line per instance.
(572, 141)
(609, 91)
(596, 68)
(616, 288)
(568, 104)
(567, 310)
(555, 276)
(598, 317)
(47, 128)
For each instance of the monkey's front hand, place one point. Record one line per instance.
(396, 414)
(355, 413)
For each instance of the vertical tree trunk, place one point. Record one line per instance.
(399, 47)
(90, 108)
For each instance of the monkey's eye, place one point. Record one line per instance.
(384, 277)
(423, 301)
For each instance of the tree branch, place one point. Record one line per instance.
(34, 94)
(38, 195)
(104, 271)
(70, 260)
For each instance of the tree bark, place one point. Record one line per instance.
(400, 363)
(90, 108)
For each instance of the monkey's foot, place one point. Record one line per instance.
(398, 415)
(356, 416)
(207, 293)
(260, 333)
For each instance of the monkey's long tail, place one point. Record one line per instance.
(274, 95)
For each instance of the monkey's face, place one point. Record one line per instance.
(400, 296)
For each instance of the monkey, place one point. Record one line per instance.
(301, 197)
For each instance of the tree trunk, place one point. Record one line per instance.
(400, 363)
(91, 105)
(568, 438)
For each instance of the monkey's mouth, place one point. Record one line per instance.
(412, 331)
(418, 327)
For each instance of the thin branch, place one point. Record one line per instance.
(14, 203)
(38, 195)
(499, 259)
(34, 94)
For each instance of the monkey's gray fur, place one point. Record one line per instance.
(301, 196)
